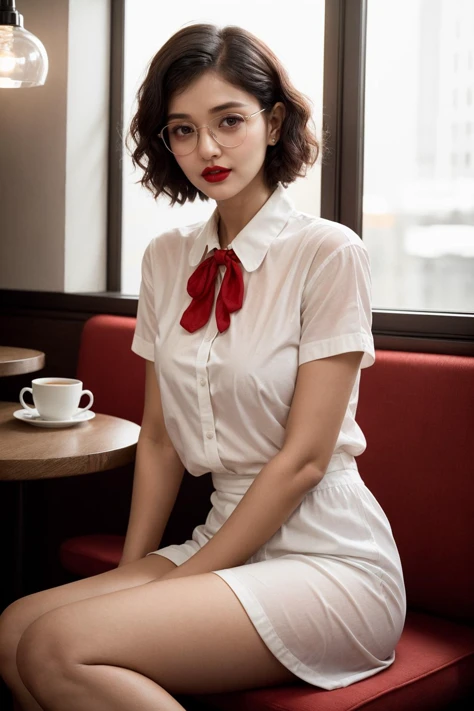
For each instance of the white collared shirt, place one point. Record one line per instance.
(226, 396)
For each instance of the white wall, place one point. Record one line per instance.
(53, 154)
(87, 145)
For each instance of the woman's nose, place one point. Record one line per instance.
(207, 144)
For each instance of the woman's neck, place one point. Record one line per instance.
(236, 213)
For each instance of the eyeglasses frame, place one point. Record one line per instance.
(205, 125)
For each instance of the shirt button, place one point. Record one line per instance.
(203, 381)
(209, 435)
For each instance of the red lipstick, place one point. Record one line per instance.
(215, 174)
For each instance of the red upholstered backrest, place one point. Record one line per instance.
(109, 368)
(417, 413)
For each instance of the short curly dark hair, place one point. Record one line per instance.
(244, 61)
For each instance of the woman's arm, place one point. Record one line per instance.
(157, 478)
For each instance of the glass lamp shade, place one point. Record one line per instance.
(23, 59)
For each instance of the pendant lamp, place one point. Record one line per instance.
(23, 58)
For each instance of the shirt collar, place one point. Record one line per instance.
(252, 243)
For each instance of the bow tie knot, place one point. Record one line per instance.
(220, 255)
(201, 287)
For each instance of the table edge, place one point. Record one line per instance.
(90, 465)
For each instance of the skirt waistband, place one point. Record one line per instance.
(341, 460)
(342, 467)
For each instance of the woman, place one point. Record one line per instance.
(255, 326)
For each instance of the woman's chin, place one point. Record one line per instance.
(219, 191)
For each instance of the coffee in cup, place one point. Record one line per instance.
(57, 398)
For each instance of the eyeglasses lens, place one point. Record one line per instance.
(181, 137)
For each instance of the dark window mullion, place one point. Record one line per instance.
(351, 185)
(343, 112)
(332, 109)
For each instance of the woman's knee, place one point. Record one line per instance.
(23, 612)
(41, 650)
(14, 620)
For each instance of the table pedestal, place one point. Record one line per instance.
(30, 453)
(19, 540)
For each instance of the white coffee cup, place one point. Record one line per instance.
(57, 398)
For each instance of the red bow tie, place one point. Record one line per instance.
(201, 286)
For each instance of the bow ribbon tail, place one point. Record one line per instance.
(231, 295)
(201, 287)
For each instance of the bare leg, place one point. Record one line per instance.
(109, 688)
(23, 612)
(139, 648)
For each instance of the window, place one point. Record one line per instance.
(418, 203)
(148, 24)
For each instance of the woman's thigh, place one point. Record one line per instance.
(23, 612)
(189, 635)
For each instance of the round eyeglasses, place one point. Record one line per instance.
(230, 130)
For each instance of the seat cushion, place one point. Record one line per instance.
(92, 554)
(434, 667)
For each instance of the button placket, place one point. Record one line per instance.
(205, 407)
(203, 392)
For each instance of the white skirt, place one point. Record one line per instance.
(326, 592)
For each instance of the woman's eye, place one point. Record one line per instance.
(181, 130)
(231, 121)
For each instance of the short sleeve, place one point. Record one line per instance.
(336, 311)
(146, 328)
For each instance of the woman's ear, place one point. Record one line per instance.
(275, 122)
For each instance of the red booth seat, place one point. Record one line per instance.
(417, 413)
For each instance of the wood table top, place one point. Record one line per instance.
(28, 452)
(16, 361)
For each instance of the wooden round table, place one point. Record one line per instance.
(16, 361)
(28, 452)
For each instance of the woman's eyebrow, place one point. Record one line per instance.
(216, 109)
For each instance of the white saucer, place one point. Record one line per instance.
(33, 418)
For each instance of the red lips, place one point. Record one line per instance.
(215, 174)
(213, 168)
